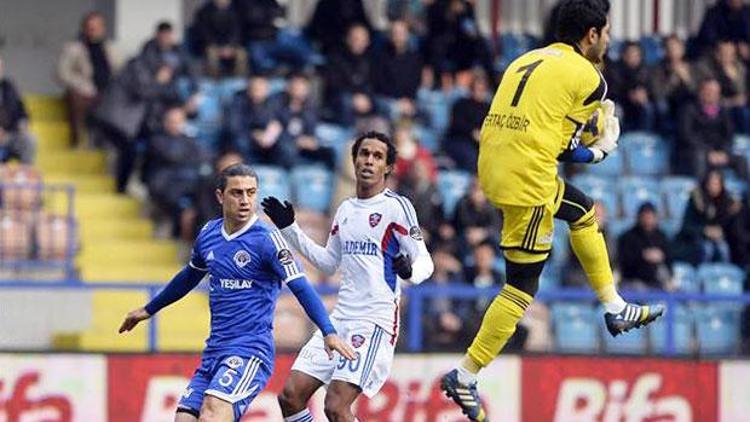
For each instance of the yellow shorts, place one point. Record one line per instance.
(528, 231)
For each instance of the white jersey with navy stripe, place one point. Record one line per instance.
(366, 235)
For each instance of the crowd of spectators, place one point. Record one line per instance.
(338, 70)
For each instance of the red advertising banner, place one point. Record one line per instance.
(147, 388)
(613, 390)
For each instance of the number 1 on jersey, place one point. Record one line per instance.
(525, 78)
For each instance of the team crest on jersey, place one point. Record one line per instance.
(285, 257)
(358, 340)
(375, 219)
(415, 233)
(234, 362)
(241, 258)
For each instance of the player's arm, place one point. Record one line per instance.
(326, 258)
(180, 285)
(415, 266)
(287, 269)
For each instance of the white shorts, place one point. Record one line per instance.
(373, 346)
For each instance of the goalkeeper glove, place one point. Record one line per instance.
(282, 215)
(607, 142)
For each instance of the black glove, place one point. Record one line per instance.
(402, 266)
(282, 215)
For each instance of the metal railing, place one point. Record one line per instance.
(418, 297)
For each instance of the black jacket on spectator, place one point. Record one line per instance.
(396, 75)
(702, 212)
(631, 245)
(721, 22)
(133, 98)
(216, 26)
(331, 20)
(243, 116)
(698, 133)
(257, 18)
(176, 163)
(467, 116)
(12, 110)
(349, 73)
(175, 57)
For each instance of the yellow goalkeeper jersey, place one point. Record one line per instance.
(540, 108)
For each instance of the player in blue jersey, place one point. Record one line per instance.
(246, 263)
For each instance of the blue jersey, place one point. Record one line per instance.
(246, 270)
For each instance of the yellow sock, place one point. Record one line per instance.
(590, 248)
(498, 324)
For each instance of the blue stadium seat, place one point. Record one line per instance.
(452, 184)
(635, 191)
(682, 336)
(313, 187)
(741, 145)
(630, 343)
(647, 154)
(685, 277)
(550, 279)
(653, 49)
(736, 187)
(599, 189)
(230, 86)
(334, 136)
(512, 45)
(676, 192)
(560, 245)
(670, 226)
(617, 226)
(718, 330)
(276, 85)
(614, 50)
(437, 106)
(612, 166)
(427, 138)
(273, 181)
(575, 328)
(209, 108)
(724, 279)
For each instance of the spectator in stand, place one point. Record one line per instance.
(418, 184)
(132, 109)
(705, 134)
(85, 68)
(410, 152)
(453, 42)
(249, 115)
(15, 140)
(731, 74)
(269, 43)
(397, 71)
(462, 141)
(348, 79)
(445, 318)
(643, 254)
(726, 20)
(163, 49)
(332, 20)
(294, 119)
(178, 162)
(673, 83)
(710, 228)
(217, 34)
(476, 220)
(628, 81)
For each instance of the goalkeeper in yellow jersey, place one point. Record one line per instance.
(537, 118)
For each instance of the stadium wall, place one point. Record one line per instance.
(121, 387)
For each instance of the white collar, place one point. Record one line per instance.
(239, 232)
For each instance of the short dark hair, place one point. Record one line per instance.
(576, 17)
(382, 137)
(163, 26)
(238, 169)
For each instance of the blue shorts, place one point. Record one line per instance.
(232, 378)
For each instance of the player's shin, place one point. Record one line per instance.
(498, 324)
(589, 246)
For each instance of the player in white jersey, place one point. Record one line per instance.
(376, 241)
